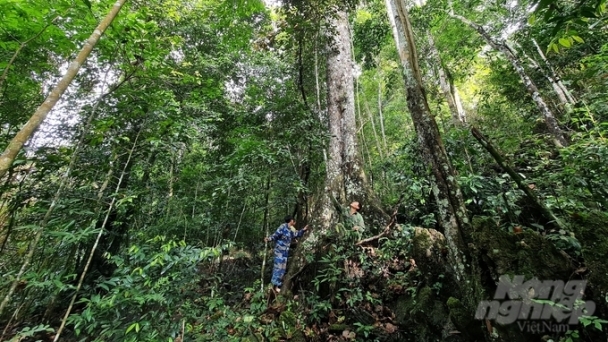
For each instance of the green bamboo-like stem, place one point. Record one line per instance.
(26, 132)
(101, 229)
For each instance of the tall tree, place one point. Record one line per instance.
(449, 90)
(559, 138)
(345, 177)
(452, 215)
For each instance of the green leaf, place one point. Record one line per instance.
(133, 326)
(565, 42)
(578, 39)
(554, 47)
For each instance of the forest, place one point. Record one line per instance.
(150, 148)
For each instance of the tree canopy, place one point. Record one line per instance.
(473, 133)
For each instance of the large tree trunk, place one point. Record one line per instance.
(341, 108)
(13, 148)
(552, 124)
(449, 91)
(345, 179)
(450, 204)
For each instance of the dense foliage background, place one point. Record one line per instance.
(195, 126)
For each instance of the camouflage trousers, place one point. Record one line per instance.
(280, 265)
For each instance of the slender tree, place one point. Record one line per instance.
(94, 248)
(56, 199)
(550, 119)
(13, 148)
(554, 76)
(561, 96)
(449, 91)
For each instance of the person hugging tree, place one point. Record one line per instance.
(282, 237)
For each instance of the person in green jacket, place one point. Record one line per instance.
(353, 221)
(353, 218)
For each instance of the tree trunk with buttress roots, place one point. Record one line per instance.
(558, 135)
(345, 179)
(26, 132)
(450, 204)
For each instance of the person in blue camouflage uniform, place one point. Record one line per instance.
(282, 237)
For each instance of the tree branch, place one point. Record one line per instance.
(387, 229)
(21, 46)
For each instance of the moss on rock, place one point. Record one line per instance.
(428, 248)
(423, 314)
(528, 253)
(459, 315)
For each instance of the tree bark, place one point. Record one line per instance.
(450, 93)
(554, 76)
(561, 96)
(558, 135)
(462, 113)
(345, 179)
(450, 204)
(13, 148)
